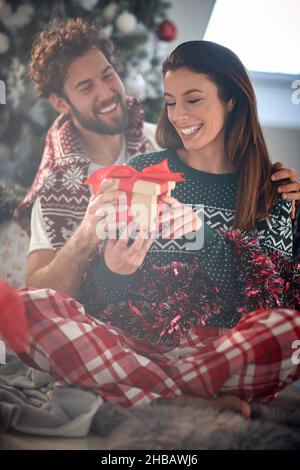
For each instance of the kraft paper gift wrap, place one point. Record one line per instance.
(144, 189)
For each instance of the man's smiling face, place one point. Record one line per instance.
(95, 94)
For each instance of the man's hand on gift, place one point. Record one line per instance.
(95, 221)
(288, 184)
(178, 220)
(122, 258)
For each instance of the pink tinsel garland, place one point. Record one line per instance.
(177, 296)
(269, 280)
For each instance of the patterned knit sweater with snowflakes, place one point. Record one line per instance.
(213, 197)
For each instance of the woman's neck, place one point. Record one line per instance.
(210, 160)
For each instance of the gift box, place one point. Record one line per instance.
(144, 189)
(145, 202)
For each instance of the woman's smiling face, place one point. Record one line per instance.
(195, 108)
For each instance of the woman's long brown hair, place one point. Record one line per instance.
(245, 147)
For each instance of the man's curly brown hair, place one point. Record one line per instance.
(56, 47)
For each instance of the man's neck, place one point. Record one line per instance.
(100, 148)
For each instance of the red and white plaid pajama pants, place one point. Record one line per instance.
(252, 360)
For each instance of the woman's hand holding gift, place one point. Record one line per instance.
(122, 258)
(178, 220)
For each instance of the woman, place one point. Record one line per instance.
(173, 318)
(210, 128)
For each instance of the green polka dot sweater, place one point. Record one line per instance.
(213, 197)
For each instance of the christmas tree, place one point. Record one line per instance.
(137, 27)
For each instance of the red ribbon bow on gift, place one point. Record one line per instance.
(159, 173)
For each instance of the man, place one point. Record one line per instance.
(72, 66)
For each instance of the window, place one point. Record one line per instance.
(265, 34)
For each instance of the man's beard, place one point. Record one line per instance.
(118, 124)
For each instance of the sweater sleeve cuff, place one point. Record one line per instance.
(210, 235)
(109, 278)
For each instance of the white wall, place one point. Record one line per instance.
(280, 118)
(278, 103)
(191, 18)
(284, 145)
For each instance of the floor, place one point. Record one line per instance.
(17, 441)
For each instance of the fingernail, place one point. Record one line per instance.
(280, 190)
(284, 196)
(273, 178)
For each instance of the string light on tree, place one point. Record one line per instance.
(4, 43)
(110, 11)
(135, 84)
